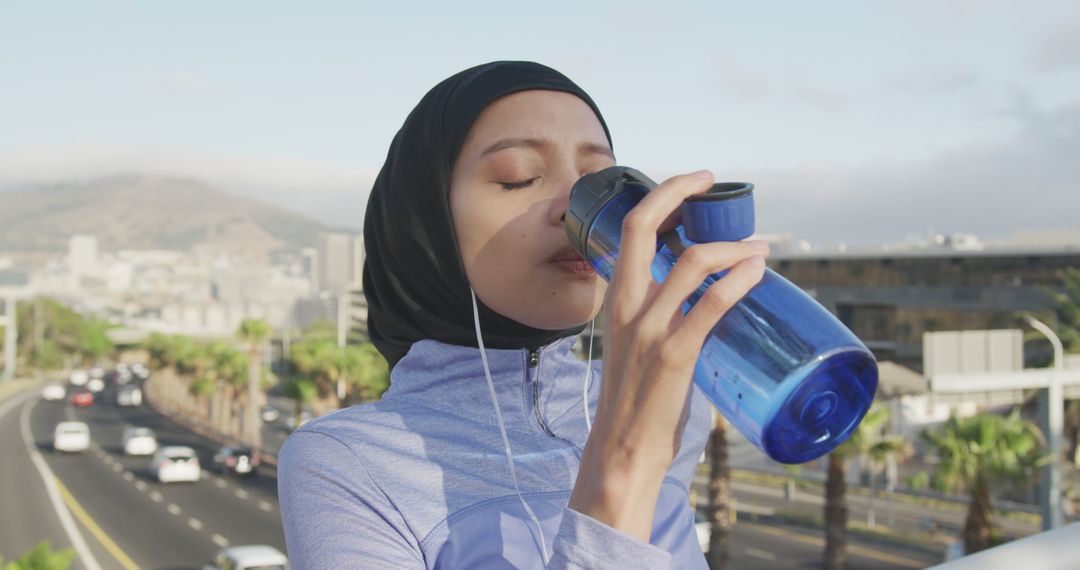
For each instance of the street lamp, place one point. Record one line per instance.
(1053, 425)
(1059, 349)
(7, 320)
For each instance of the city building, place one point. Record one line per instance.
(335, 262)
(82, 259)
(889, 298)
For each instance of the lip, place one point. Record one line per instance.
(575, 268)
(566, 253)
(570, 262)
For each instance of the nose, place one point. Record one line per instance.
(561, 204)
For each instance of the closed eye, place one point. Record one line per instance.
(518, 185)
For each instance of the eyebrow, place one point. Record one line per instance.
(540, 144)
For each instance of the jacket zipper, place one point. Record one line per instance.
(534, 362)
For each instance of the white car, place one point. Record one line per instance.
(703, 528)
(71, 436)
(95, 385)
(254, 557)
(176, 463)
(53, 391)
(78, 377)
(270, 413)
(293, 424)
(129, 396)
(97, 372)
(139, 441)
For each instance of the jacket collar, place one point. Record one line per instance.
(450, 378)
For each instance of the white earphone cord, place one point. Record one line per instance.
(588, 378)
(502, 429)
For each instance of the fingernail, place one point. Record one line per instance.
(702, 174)
(760, 245)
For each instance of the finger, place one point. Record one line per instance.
(697, 263)
(638, 241)
(718, 300)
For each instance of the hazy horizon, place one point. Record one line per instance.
(857, 123)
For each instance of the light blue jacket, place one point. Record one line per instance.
(420, 479)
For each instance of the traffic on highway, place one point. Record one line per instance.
(103, 472)
(142, 491)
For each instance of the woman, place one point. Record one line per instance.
(480, 455)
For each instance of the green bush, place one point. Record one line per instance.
(42, 557)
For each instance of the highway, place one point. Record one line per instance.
(127, 520)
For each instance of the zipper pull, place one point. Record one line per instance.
(534, 359)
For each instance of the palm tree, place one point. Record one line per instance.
(255, 332)
(1067, 308)
(1072, 427)
(719, 556)
(157, 345)
(866, 441)
(186, 355)
(302, 391)
(977, 452)
(227, 367)
(373, 373)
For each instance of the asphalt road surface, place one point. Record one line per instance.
(125, 519)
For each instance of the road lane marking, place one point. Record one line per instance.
(155, 496)
(95, 530)
(760, 554)
(140, 485)
(128, 476)
(266, 506)
(52, 489)
(221, 484)
(173, 508)
(14, 401)
(852, 549)
(219, 540)
(241, 493)
(117, 467)
(195, 524)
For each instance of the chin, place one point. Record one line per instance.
(559, 316)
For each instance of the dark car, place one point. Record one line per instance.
(240, 461)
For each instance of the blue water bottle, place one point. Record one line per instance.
(780, 367)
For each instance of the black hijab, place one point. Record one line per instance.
(414, 279)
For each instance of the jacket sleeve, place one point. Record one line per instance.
(333, 514)
(586, 543)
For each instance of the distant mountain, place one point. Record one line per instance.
(145, 212)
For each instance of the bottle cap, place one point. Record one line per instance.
(591, 193)
(724, 213)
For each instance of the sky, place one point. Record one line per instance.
(858, 122)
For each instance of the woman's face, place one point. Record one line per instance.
(508, 195)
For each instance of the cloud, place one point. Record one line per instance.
(746, 85)
(1059, 48)
(1032, 181)
(180, 81)
(331, 193)
(935, 79)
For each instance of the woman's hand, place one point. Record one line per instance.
(650, 350)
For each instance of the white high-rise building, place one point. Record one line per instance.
(82, 258)
(335, 262)
(358, 262)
